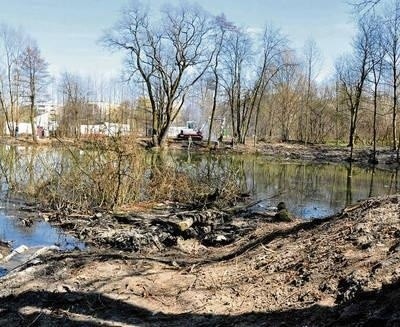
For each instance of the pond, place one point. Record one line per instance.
(310, 190)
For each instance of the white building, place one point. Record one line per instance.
(109, 129)
(44, 122)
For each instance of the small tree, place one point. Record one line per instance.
(352, 73)
(11, 46)
(221, 27)
(274, 48)
(237, 57)
(391, 42)
(312, 58)
(287, 86)
(34, 79)
(74, 100)
(377, 70)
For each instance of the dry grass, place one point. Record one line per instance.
(117, 173)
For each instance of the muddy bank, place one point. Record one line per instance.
(321, 153)
(343, 270)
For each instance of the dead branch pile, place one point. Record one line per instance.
(152, 231)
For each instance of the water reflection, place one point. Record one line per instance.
(309, 189)
(314, 190)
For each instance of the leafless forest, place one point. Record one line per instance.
(190, 65)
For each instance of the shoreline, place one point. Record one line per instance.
(320, 153)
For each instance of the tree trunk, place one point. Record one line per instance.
(32, 117)
(349, 193)
(214, 106)
(256, 122)
(154, 127)
(398, 151)
(351, 136)
(394, 129)
(374, 160)
(162, 137)
(394, 115)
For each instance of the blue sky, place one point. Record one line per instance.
(68, 31)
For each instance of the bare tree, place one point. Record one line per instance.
(391, 43)
(312, 58)
(11, 46)
(322, 113)
(221, 27)
(287, 88)
(377, 69)
(274, 48)
(247, 74)
(365, 6)
(34, 79)
(352, 73)
(169, 56)
(236, 61)
(74, 100)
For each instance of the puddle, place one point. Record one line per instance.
(33, 239)
(39, 234)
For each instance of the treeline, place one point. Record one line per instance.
(23, 77)
(184, 63)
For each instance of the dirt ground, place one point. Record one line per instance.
(342, 270)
